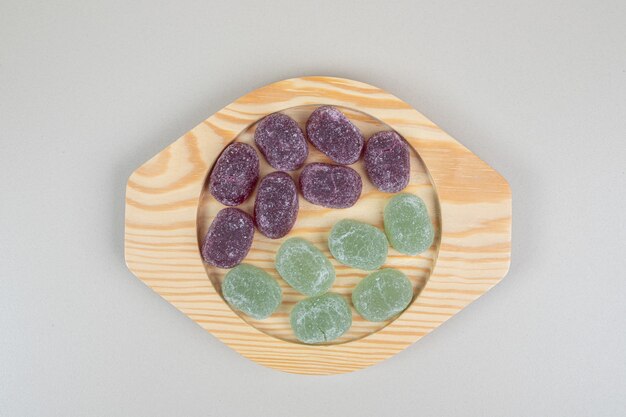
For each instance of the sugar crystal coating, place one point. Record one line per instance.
(229, 238)
(330, 131)
(251, 290)
(407, 224)
(304, 267)
(281, 141)
(358, 245)
(382, 295)
(276, 205)
(321, 319)
(331, 186)
(235, 174)
(388, 162)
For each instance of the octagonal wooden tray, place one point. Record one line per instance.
(168, 213)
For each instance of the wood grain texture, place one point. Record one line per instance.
(167, 214)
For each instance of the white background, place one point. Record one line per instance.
(89, 90)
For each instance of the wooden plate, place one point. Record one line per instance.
(168, 214)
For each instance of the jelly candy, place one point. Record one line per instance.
(358, 245)
(387, 161)
(407, 224)
(330, 131)
(382, 295)
(331, 186)
(281, 141)
(276, 205)
(251, 290)
(321, 319)
(229, 238)
(235, 174)
(304, 267)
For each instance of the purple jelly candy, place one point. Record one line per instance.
(281, 141)
(276, 205)
(334, 135)
(229, 238)
(235, 174)
(330, 186)
(387, 161)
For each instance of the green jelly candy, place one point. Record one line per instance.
(382, 294)
(251, 290)
(407, 224)
(358, 245)
(321, 319)
(304, 267)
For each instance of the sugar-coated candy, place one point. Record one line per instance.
(382, 295)
(251, 290)
(321, 319)
(388, 162)
(235, 174)
(304, 267)
(276, 205)
(331, 186)
(330, 131)
(281, 141)
(358, 245)
(229, 238)
(407, 224)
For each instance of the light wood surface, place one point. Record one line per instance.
(168, 213)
